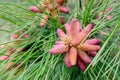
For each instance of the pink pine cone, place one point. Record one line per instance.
(76, 53)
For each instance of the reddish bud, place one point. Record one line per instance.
(79, 28)
(61, 20)
(26, 36)
(108, 9)
(63, 9)
(67, 60)
(92, 41)
(10, 51)
(92, 53)
(73, 28)
(9, 64)
(61, 34)
(34, 9)
(82, 34)
(58, 49)
(4, 57)
(81, 64)
(52, 6)
(67, 28)
(13, 37)
(73, 55)
(108, 17)
(88, 47)
(59, 1)
(43, 20)
(84, 56)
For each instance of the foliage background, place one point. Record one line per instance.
(37, 64)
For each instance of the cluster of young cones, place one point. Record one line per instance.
(51, 7)
(106, 11)
(11, 50)
(75, 45)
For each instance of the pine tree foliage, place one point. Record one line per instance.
(35, 62)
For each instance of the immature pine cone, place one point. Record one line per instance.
(50, 8)
(75, 46)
